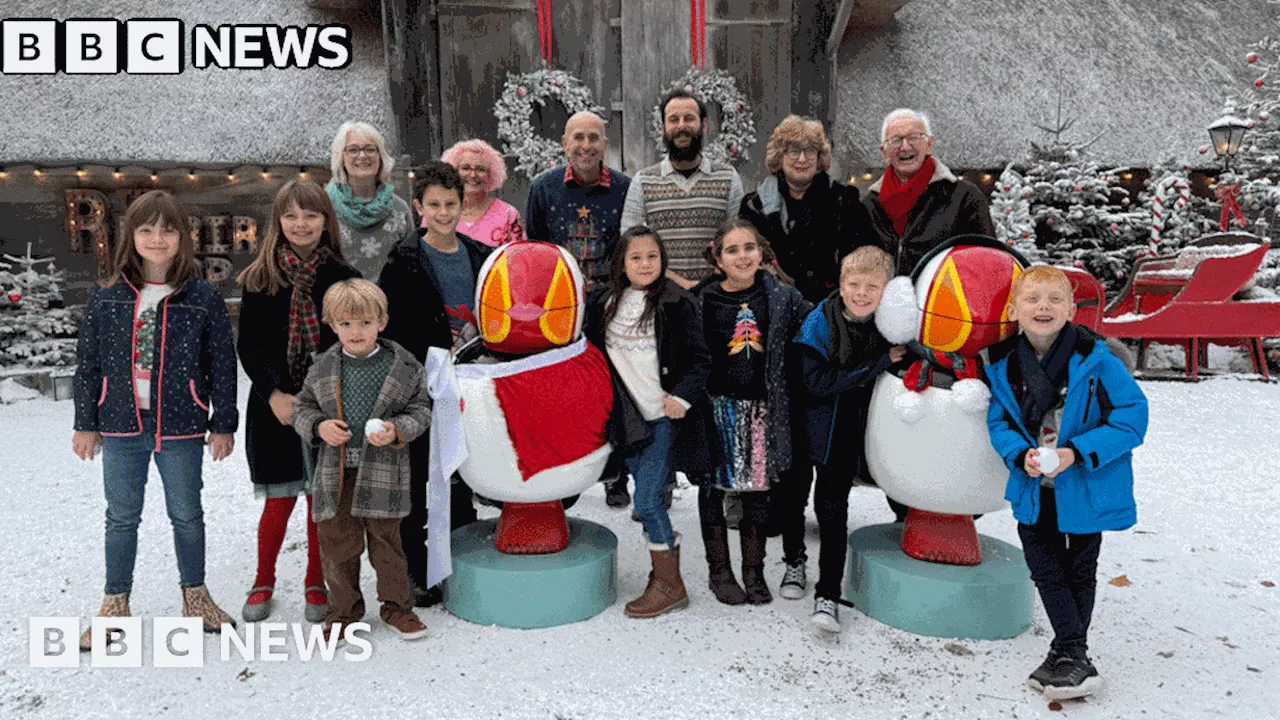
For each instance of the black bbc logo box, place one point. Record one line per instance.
(157, 46)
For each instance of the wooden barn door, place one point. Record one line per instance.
(483, 40)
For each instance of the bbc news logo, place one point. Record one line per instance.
(106, 46)
(179, 642)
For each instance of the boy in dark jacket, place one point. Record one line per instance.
(842, 355)
(1065, 415)
(430, 281)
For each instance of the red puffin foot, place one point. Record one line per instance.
(532, 528)
(939, 538)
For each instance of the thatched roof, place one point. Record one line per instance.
(200, 116)
(1146, 76)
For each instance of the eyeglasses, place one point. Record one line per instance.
(353, 151)
(477, 169)
(894, 141)
(795, 152)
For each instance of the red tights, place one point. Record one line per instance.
(271, 529)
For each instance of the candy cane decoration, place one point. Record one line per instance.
(1158, 214)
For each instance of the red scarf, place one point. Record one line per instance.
(304, 326)
(898, 198)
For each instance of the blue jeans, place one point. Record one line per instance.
(125, 462)
(650, 467)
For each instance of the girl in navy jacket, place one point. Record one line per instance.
(155, 352)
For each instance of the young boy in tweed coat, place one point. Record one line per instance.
(363, 401)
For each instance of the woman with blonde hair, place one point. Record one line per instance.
(371, 217)
(280, 332)
(485, 219)
(812, 221)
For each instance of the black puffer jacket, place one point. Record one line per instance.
(948, 207)
(810, 248)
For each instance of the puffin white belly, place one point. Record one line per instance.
(491, 468)
(938, 457)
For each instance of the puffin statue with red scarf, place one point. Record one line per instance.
(535, 396)
(927, 441)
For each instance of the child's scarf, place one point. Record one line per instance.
(304, 326)
(1043, 377)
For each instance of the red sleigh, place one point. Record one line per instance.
(1186, 299)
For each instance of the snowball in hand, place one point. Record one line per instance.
(374, 425)
(1048, 458)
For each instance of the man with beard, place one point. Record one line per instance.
(686, 197)
(579, 205)
(919, 203)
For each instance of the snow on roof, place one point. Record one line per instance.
(208, 116)
(1146, 76)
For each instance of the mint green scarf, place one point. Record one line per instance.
(357, 212)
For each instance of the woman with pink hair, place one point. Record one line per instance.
(485, 219)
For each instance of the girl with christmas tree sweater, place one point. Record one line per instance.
(749, 316)
(155, 351)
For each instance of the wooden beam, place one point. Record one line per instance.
(411, 42)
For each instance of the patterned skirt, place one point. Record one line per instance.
(741, 425)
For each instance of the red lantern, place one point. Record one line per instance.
(14, 296)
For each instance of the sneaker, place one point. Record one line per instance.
(826, 614)
(404, 622)
(1040, 676)
(1073, 677)
(793, 582)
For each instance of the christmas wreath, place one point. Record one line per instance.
(737, 128)
(520, 95)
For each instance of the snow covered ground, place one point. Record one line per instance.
(1196, 634)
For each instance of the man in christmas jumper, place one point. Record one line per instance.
(918, 203)
(579, 206)
(686, 197)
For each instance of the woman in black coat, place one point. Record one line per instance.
(812, 221)
(280, 331)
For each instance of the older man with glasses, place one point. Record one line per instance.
(919, 202)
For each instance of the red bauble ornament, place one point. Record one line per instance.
(1079, 188)
(1079, 264)
(1006, 188)
(1124, 202)
(1258, 83)
(1264, 116)
(14, 296)
(1251, 58)
(1049, 222)
(1010, 242)
(1008, 211)
(1114, 227)
(1204, 149)
(1250, 125)
(733, 149)
(522, 91)
(1025, 234)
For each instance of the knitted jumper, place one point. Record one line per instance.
(686, 212)
(362, 380)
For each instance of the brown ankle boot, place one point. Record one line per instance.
(197, 603)
(715, 538)
(112, 606)
(666, 589)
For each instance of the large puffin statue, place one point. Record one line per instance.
(536, 400)
(927, 442)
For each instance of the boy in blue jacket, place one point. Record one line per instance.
(1065, 415)
(842, 354)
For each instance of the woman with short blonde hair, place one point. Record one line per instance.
(371, 217)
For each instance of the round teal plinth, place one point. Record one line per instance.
(490, 587)
(991, 601)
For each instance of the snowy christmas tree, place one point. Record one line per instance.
(1256, 167)
(35, 329)
(1060, 208)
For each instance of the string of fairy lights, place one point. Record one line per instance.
(132, 173)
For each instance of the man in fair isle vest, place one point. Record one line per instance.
(685, 197)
